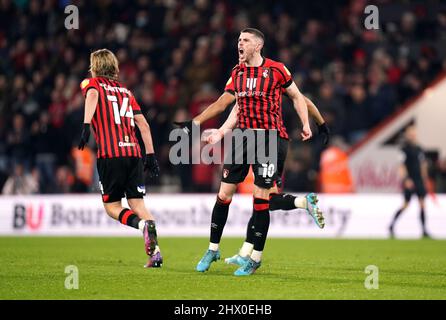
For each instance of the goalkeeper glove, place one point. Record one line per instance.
(85, 136)
(325, 132)
(151, 165)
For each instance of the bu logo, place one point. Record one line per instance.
(251, 83)
(30, 216)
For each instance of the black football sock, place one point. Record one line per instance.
(423, 221)
(129, 218)
(261, 223)
(281, 201)
(397, 214)
(250, 230)
(218, 220)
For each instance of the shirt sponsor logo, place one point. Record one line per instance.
(126, 144)
(250, 94)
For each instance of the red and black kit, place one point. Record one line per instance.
(119, 163)
(258, 91)
(113, 123)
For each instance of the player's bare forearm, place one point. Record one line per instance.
(299, 103)
(146, 134)
(231, 121)
(91, 101)
(301, 109)
(215, 108)
(314, 111)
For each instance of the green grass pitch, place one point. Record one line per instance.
(111, 268)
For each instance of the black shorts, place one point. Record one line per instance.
(418, 189)
(266, 169)
(121, 177)
(283, 151)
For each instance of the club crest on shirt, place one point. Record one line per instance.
(225, 173)
(265, 73)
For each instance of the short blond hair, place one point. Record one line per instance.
(103, 63)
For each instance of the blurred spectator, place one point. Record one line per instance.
(43, 136)
(64, 181)
(331, 108)
(18, 142)
(22, 183)
(358, 114)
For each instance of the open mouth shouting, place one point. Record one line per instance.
(241, 55)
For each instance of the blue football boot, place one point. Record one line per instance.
(314, 210)
(205, 262)
(248, 268)
(237, 260)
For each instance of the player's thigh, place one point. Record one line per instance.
(260, 192)
(135, 186)
(111, 179)
(226, 191)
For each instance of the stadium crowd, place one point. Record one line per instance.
(176, 57)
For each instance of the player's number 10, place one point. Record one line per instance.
(268, 170)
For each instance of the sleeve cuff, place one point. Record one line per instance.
(287, 84)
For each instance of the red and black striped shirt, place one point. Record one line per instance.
(113, 123)
(258, 91)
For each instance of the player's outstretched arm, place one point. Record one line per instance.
(91, 101)
(322, 127)
(150, 162)
(230, 123)
(210, 112)
(215, 108)
(301, 109)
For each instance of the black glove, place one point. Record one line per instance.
(186, 126)
(85, 135)
(325, 132)
(151, 165)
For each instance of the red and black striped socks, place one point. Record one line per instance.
(129, 218)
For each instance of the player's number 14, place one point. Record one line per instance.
(125, 111)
